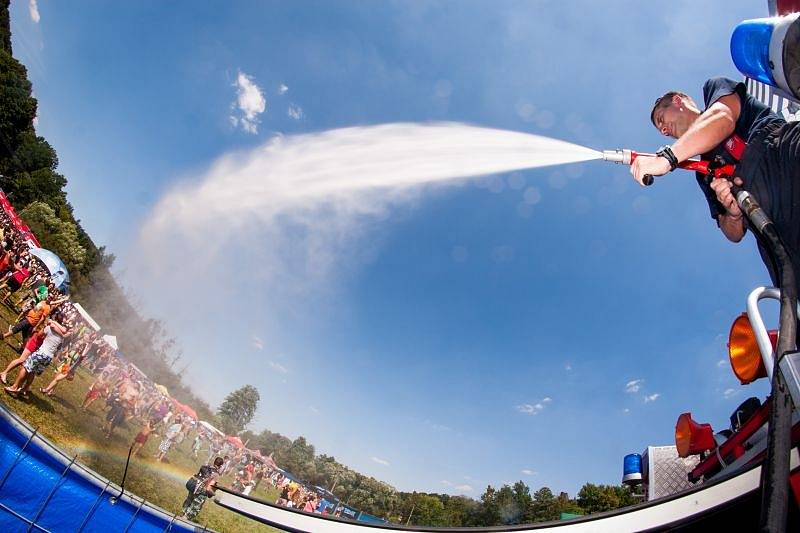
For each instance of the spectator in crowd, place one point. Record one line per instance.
(98, 388)
(169, 438)
(148, 429)
(205, 487)
(65, 371)
(35, 364)
(27, 322)
(31, 346)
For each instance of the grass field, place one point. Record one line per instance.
(60, 419)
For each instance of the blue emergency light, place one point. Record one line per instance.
(768, 50)
(632, 469)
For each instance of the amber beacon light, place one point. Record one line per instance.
(743, 351)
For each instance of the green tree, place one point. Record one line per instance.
(238, 408)
(544, 506)
(597, 498)
(17, 106)
(58, 236)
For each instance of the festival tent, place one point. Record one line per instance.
(211, 428)
(58, 270)
(86, 316)
(236, 441)
(111, 340)
(185, 408)
(17, 222)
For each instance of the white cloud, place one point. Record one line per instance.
(651, 398)
(295, 112)
(380, 461)
(533, 409)
(282, 89)
(464, 488)
(33, 9)
(528, 472)
(721, 363)
(313, 409)
(626, 410)
(257, 343)
(730, 393)
(278, 367)
(633, 386)
(437, 427)
(250, 103)
(568, 367)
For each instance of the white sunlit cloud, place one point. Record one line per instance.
(295, 112)
(33, 9)
(380, 461)
(533, 408)
(730, 393)
(568, 367)
(257, 343)
(721, 363)
(278, 367)
(528, 472)
(283, 89)
(633, 386)
(651, 398)
(250, 103)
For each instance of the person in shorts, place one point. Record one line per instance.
(35, 364)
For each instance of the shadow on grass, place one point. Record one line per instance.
(64, 403)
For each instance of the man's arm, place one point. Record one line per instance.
(716, 124)
(732, 222)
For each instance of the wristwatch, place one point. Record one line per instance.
(666, 153)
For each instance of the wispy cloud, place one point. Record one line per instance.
(278, 367)
(626, 410)
(528, 472)
(568, 367)
(721, 363)
(533, 408)
(282, 89)
(33, 9)
(380, 461)
(437, 427)
(730, 393)
(257, 343)
(250, 103)
(464, 488)
(295, 112)
(634, 386)
(651, 398)
(313, 409)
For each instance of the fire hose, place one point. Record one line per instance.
(775, 474)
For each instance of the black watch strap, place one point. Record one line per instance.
(666, 153)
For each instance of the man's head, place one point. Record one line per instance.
(218, 462)
(674, 113)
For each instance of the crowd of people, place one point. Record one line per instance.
(52, 332)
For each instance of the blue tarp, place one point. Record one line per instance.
(38, 485)
(58, 270)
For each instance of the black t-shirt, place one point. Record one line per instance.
(753, 117)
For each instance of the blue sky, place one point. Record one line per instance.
(459, 339)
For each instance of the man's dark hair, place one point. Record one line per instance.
(218, 461)
(663, 102)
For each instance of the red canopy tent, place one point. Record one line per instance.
(236, 441)
(185, 409)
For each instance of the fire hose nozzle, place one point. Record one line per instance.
(622, 157)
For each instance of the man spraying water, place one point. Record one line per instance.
(737, 129)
